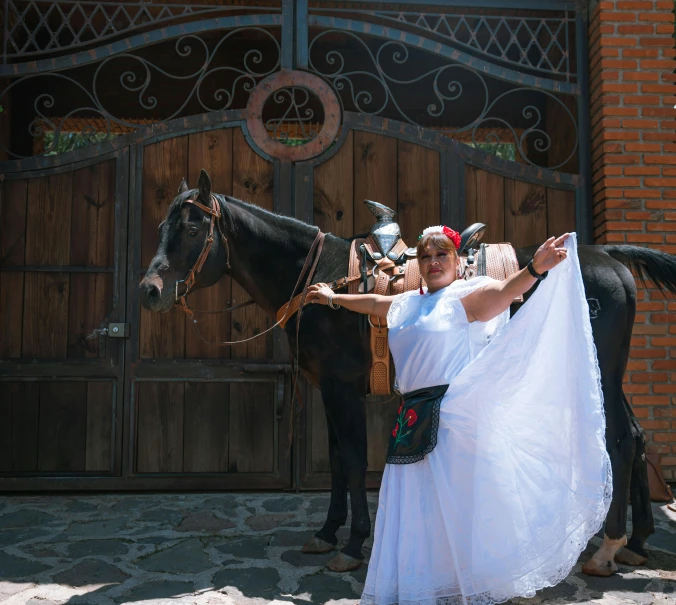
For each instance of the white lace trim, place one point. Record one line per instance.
(406, 305)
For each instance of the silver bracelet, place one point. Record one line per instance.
(334, 307)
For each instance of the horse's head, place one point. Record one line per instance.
(183, 234)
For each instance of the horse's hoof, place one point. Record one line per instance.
(317, 546)
(342, 563)
(629, 557)
(595, 567)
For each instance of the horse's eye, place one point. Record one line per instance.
(192, 232)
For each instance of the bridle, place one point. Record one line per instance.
(307, 272)
(215, 212)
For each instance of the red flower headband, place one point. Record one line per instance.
(454, 236)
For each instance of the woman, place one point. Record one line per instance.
(497, 471)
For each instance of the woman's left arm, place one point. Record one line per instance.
(488, 302)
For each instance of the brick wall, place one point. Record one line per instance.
(633, 92)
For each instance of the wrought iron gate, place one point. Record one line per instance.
(447, 113)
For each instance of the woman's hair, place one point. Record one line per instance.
(438, 240)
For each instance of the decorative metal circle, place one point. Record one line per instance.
(292, 80)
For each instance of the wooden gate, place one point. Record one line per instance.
(62, 279)
(303, 108)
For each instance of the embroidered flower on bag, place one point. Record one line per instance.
(411, 417)
(408, 418)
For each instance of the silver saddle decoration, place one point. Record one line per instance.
(386, 231)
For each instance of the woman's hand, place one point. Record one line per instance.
(318, 294)
(550, 254)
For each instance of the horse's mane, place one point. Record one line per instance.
(283, 221)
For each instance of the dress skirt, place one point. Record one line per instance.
(519, 480)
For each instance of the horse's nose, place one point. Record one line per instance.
(153, 294)
(150, 293)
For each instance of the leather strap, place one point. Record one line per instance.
(285, 313)
(380, 352)
(353, 266)
(412, 275)
(189, 281)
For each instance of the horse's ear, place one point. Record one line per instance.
(183, 187)
(204, 186)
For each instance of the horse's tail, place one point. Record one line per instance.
(654, 265)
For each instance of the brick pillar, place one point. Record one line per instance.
(631, 65)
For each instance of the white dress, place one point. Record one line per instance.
(520, 479)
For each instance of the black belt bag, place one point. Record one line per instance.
(415, 433)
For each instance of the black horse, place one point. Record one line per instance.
(335, 356)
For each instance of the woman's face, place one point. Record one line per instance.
(438, 267)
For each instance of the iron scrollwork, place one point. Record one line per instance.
(294, 105)
(33, 27)
(387, 74)
(206, 86)
(539, 44)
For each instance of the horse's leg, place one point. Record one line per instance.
(325, 539)
(621, 449)
(346, 408)
(642, 520)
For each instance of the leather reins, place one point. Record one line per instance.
(181, 302)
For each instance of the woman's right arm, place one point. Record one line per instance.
(367, 304)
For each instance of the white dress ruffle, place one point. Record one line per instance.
(520, 479)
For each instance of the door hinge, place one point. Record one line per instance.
(118, 330)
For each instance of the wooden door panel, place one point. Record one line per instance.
(375, 172)
(560, 211)
(418, 189)
(11, 313)
(90, 304)
(160, 427)
(525, 213)
(211, 151)
(253, 182)
(20, 409)
(93, 216)
(49, 220)
(252, 422)
(485, 202)
(99, 440)
(165, 164)
(45, 315)
(60, 234)
(12, 254)
(333, 201)
(63, 426)
(206, 427)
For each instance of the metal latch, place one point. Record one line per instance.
(118, 330)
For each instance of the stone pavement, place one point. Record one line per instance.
(230, 549)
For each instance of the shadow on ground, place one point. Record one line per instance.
(210, 548)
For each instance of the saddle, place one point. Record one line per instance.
(383, 264)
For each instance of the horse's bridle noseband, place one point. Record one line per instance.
(189, 281)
